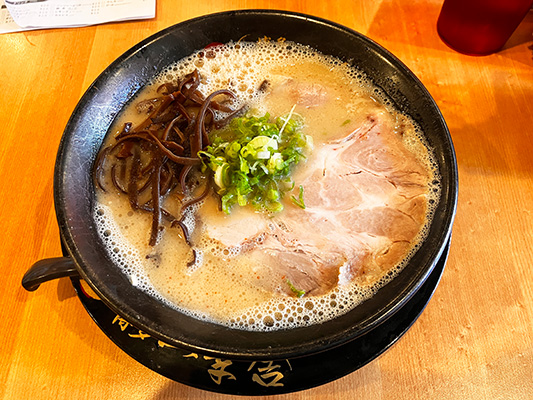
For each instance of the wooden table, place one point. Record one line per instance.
(473, 341)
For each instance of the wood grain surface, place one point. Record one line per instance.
(473, 341)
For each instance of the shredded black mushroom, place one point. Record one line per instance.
(155, 158)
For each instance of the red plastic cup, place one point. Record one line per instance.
(480, 27)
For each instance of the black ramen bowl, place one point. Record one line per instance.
(74, 193)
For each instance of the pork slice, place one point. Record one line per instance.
(383, 259)
(306, 94)
(381, 151)
(365, 197)
(242, 227)
(371, 180)
(306, 267)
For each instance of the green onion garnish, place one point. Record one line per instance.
(298, 293)
(252, 160)
(300, 200)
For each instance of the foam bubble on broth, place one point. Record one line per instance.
(241, 67)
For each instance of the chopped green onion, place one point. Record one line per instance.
(252, 159)
(232, 151)
(263, 155)
(300, 200)
(221, 175)
(273, 194)
(297, 292)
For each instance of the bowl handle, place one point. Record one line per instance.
(48, 269)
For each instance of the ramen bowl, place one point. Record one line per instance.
(74, 192)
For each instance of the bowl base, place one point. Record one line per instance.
(259, 377)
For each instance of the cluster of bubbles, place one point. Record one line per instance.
(122, 252)
(291, 312)
(242, 66)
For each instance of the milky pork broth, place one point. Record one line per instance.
(368, 182)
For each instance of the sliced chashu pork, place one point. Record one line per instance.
(365, 197)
